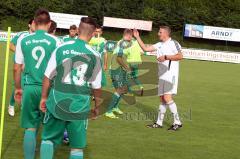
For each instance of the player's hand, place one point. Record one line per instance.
(18, 96)
(135, 33)
(95, 113)
(128, 69)
(42, 106)
(161, 58)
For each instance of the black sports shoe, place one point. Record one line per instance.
(141, 92)
(154, 125)
(175, 127)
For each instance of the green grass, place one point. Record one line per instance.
(208, 101)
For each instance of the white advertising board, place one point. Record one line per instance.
(210, 32)
(127, 23)
(64, 21)
(208, 55)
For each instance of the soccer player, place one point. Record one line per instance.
(52, 31)
(168, 57)
(118, 71)
(33, 51)
(133, 55)
(74, 69)
(13, 44)
(99, 44)
(72, 34)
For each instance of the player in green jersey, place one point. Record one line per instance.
(99, 44)
(133, 55)
(118, 71)
(72, 34)
(34, 52)
(20, 35)
(52, 31)
(74, 71)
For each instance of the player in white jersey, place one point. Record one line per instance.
(168, 56)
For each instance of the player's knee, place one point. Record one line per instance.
(31, 129)
(47, 142)
(162, 100)
(167, 98)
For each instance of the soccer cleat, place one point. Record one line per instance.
(175, 127)
(11, 111)
(117, 110)
(141, 92)
(154, 125)
(111, 115)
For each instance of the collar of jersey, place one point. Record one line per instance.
(168, 40)
(40, 31)
(80, 40)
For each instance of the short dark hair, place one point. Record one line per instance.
(30, 21)
(87, 26)
(73, 27)
(99, 26)
(89, 21)
(167, 28)
(42, 17)
(53, 27)
(127, 31)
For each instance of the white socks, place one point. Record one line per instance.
(161, 113)
(173, 109)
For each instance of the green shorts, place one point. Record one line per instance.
(119, 78)
(53, 130)
(31, 116)
(104, 79)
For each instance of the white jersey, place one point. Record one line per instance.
(169, 47)
(168, 70)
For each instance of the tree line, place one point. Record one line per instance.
(175, 13)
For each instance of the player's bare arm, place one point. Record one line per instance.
(105, 61)
(176, 57)
(141, 43)
(97, 96)
(12, 47)
(122, 63)
(17, 79)
(45, 91)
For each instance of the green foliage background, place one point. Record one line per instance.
(175, 13)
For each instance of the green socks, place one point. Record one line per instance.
(46, 151)
(76, 154)
(12, 100)
(29, 144)
(114, 102)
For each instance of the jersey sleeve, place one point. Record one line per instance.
(96, 78)
(51, 67)
(15, 39)
(19, 58)
(157, 45)
(177, 47)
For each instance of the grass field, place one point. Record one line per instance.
(208, 101)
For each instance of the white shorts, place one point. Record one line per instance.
(168, 86)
